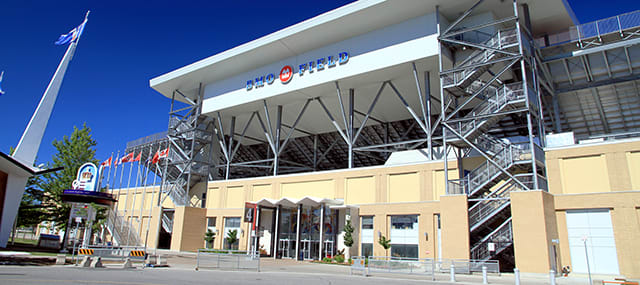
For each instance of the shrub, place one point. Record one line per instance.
(326, 259)
(339, 258)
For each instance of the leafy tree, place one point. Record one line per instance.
(209, 236)
(232, 237)
(348, 234)
(385, 243)
(73, 151)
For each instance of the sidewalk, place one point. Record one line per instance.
(187, 260)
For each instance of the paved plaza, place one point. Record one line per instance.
(181, 271)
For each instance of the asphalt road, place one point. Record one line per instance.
(73, 275)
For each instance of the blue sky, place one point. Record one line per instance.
(125, 44)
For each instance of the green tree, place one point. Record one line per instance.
(348, 234)
(385, 243)
(72, 152)
(232, 238)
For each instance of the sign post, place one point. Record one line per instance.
(250, 217)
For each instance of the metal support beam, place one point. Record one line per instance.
(333, 121)
(284, 143)
(276, 152)
(366, 117)
(598, 101)
(406, 105)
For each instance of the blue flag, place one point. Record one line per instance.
(1, 75)
(72, 35)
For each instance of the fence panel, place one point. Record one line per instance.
(227, 259)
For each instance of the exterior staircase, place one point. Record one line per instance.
(508, 166)
(121, 231)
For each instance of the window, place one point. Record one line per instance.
(203, 201)
(367, 223)
(367, 236)
(404, 236)
(211, 224)
(231, 224)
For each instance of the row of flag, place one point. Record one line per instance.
(130, 158)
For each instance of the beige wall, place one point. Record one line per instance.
(455, 226)
(603, 167)
(534, 227)
(190, 223)
(581, 177)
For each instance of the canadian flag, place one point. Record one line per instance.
(107, 162)
(160, 154)
(127, 158)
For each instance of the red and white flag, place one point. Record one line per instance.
(138, 157)
(160, 154)
(127, 158)
(107, 162)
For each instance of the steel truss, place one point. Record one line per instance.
(363, 144)
(490, 79)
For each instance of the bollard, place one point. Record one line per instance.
(485, 280)
(453, 273)
(127, 263)
(86, 261)
(96, 263)
(516, 273)
(552, 277)
(61, 259)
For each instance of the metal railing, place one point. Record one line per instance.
(148, 139)
(420, 266)
(227, 259)
(493, 243)
(117, 252)
(123, 233)
(496, 100)
(596, 29)
(486, 171)
(500, 40)
(167, 223)
(424, 266)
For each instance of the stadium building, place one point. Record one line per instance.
(489, 130)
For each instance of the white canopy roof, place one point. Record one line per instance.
(305, 201)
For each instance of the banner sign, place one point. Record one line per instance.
(249, 212)
(286, 73)
(87, 177)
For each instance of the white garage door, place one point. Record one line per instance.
(595, 225)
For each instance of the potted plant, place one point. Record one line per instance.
(209, 236)
(232, 238)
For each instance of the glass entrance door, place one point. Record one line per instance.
(287, 233)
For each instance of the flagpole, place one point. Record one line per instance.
(109, 172)
(153, 192)
(29, 144)
(120, 187)
(135, 195)
(31, 139)
(144, 190)
(113, 181)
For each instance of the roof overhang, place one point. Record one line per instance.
(10, 164)
(339, 24)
